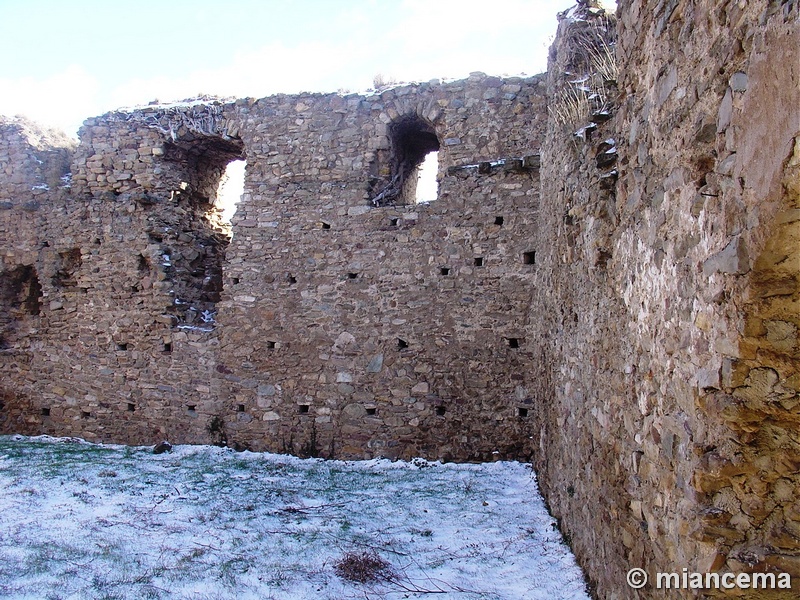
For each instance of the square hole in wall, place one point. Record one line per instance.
(234, 280)
(352, 275)
(45, 412)
(499, 221)
(142, 265)
(122, 347)
(167, 347)
(271, 345)
(303, 409)
(240, 408)
(326, 225)
(478, 262)
(522, 412)
(401, 344)
(370, 411)
(191, 408)
(529, 258)
(444, 271)
(512, 342)
(393, 222)
(131, 407)
(85, 414)
(291, 279)
(440, 410)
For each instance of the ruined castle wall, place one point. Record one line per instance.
(625, 317)
(34, 169)
(668, 398)
(355, 330)
(34, 165)
(98, 360)
(329, 325)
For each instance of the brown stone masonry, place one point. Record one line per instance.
(608, 284)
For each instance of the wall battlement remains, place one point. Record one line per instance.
(607, 285)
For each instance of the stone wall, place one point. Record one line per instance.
(624, 317)
(355, 330)
(336, 322)
(667, 404)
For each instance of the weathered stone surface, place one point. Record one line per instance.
(622, 312)
(733, 259)
(700, 226)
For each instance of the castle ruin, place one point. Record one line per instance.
(607, 286)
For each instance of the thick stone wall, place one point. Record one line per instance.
(624, 317)
(355, 330)
(333, 324)
(667, 404)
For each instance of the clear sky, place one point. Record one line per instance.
(67, 60)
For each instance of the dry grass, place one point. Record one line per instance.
(571, 107)
(592, 54)
(363, 567)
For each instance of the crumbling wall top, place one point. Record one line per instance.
(33, 160)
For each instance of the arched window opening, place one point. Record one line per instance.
(411, 140)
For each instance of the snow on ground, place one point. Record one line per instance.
(80, 520)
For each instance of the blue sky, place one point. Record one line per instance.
(67, 61)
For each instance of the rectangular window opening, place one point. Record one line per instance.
(512, 342)
(45, 412)
(326, 225)
(85, 414)
(445, 270)
(291, 279)
(478, 261)
(393, 222)
(191, 408)
(131, 407)
(235, 280)
(401, 344)
(440, 410)
(522, 412)
(167, 347)
(529, 258)
(427, 188)
(240, 408)
(271, 345)
(352, 275)
(370, 411)
(303, 409)
(499, 221)
(122, 347)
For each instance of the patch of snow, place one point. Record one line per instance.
(196, 328)
(82, 520)
(41, 186)
(189, 103)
